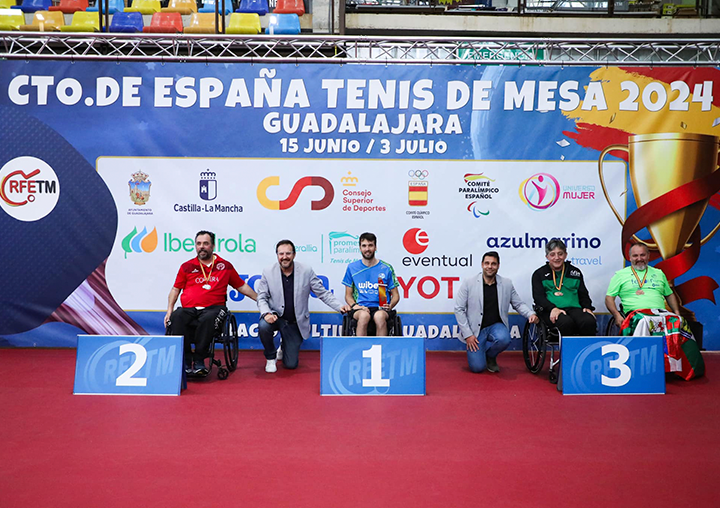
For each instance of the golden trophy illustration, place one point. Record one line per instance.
(665, 163)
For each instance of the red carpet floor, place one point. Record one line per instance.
(260, 440)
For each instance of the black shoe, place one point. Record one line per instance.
(200, 369)
(492, 365)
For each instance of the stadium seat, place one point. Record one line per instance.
(45, 21)
(181, 6)
(113, 6)
(11, 20)
(201, 23)
(290, 7)
(259, 7)
(70, 6)
(165, 23)
(144, 6)
(127, 22)
(83, 21)
(7, 4)
(283, 24)
(244, 23)
(33, 6)
(209, 6)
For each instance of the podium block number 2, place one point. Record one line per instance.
(618, 363)
(126, 378)
(376, 379)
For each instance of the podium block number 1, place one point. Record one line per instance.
(376, 380)
(126, 378)
(618, 363)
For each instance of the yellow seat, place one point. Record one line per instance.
(144, 6)
(6, 4)
(83, 21)
(201, 23)
(11, 19)
(45, 21)
(181, 6)
(244, 23)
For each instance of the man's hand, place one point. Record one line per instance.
(167, 318)
(472, 343)
(619, 319)
(589, 311)
(555, 313)
(534, 319)
(270, 317)
(345, 308)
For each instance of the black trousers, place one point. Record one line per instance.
(198, 326)
(574, 323)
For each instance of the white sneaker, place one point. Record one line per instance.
(271, 366)
(279, 353)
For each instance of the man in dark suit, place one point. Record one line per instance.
(283, 295)
(481, 310)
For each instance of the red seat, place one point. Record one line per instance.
(290, 7)
(70, 6)
(165, 23)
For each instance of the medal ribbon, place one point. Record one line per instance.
(698, 288)
(562, 278)
(202, 267)
(641, 284)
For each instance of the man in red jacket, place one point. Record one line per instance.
(203, 281)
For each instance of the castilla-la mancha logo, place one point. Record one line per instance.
(29, 188)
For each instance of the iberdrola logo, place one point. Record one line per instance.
(142, 242)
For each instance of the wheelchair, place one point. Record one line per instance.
(349, 325)
(537, 339)
(227, 337)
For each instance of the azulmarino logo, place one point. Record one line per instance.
(142, 242)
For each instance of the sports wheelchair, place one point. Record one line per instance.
(537, 339)
(394, 325)
(227, 336)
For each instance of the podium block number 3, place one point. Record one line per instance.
(618, 363)
(126, 378)
(376, 379)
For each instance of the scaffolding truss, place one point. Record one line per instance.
(343, 50)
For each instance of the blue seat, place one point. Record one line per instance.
(113, 6)
(127, 22)
(34, 5)
(209, 6)
(283, 24)
(259, 7)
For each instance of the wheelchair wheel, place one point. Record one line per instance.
(348, 328)
(222, 373)
(396, 330)
(534, 346)
(230, 343)
(612, 329)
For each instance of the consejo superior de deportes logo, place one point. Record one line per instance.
(289, 202)
(29, 188)
(540, 191)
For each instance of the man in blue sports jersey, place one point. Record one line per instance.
(368, 281)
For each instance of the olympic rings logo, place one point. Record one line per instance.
(418, 173)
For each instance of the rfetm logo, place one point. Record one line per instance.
(29, 188)
(140, 242)
(289, 202)
(540, 191)
(416, 241)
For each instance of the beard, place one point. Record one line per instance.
(641, 265)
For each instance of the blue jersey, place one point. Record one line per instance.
(364, 281)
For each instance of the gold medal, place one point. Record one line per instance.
(207, 285)
(558, 287)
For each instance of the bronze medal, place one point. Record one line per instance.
(639, 292)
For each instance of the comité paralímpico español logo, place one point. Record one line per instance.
(540, 191)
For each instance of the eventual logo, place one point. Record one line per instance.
(540, 191)
(139, 186)
(415, 241)
(140, 242)
(349, 181)
(208, 186)
(289, 202)
(418, 187)
(29, 188)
